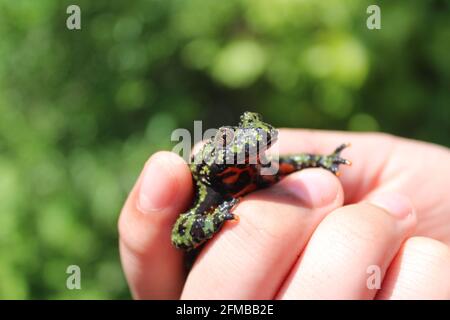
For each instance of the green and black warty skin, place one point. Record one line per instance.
(227, 167)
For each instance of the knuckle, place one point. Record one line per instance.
(362, 221)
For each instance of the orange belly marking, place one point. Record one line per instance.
(286, 168)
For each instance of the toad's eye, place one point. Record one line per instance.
(224, 136)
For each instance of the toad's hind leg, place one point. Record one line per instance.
(331, 162)
(191, 229)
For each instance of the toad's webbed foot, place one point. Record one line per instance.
(292, 163)
(331, 162)
(223, 211)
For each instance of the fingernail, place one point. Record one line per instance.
(314, 188)
(396, 204)
(156, 190)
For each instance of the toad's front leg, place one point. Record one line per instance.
(193, 229)
(331, 162)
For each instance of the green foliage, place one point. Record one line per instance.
(81, 111)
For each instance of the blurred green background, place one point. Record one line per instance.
(81, 111)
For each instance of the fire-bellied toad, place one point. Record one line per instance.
(230, 165)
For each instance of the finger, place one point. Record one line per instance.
(348, 244)
(250, 259)
(368, 152)
(421, 270)
(153, 267)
